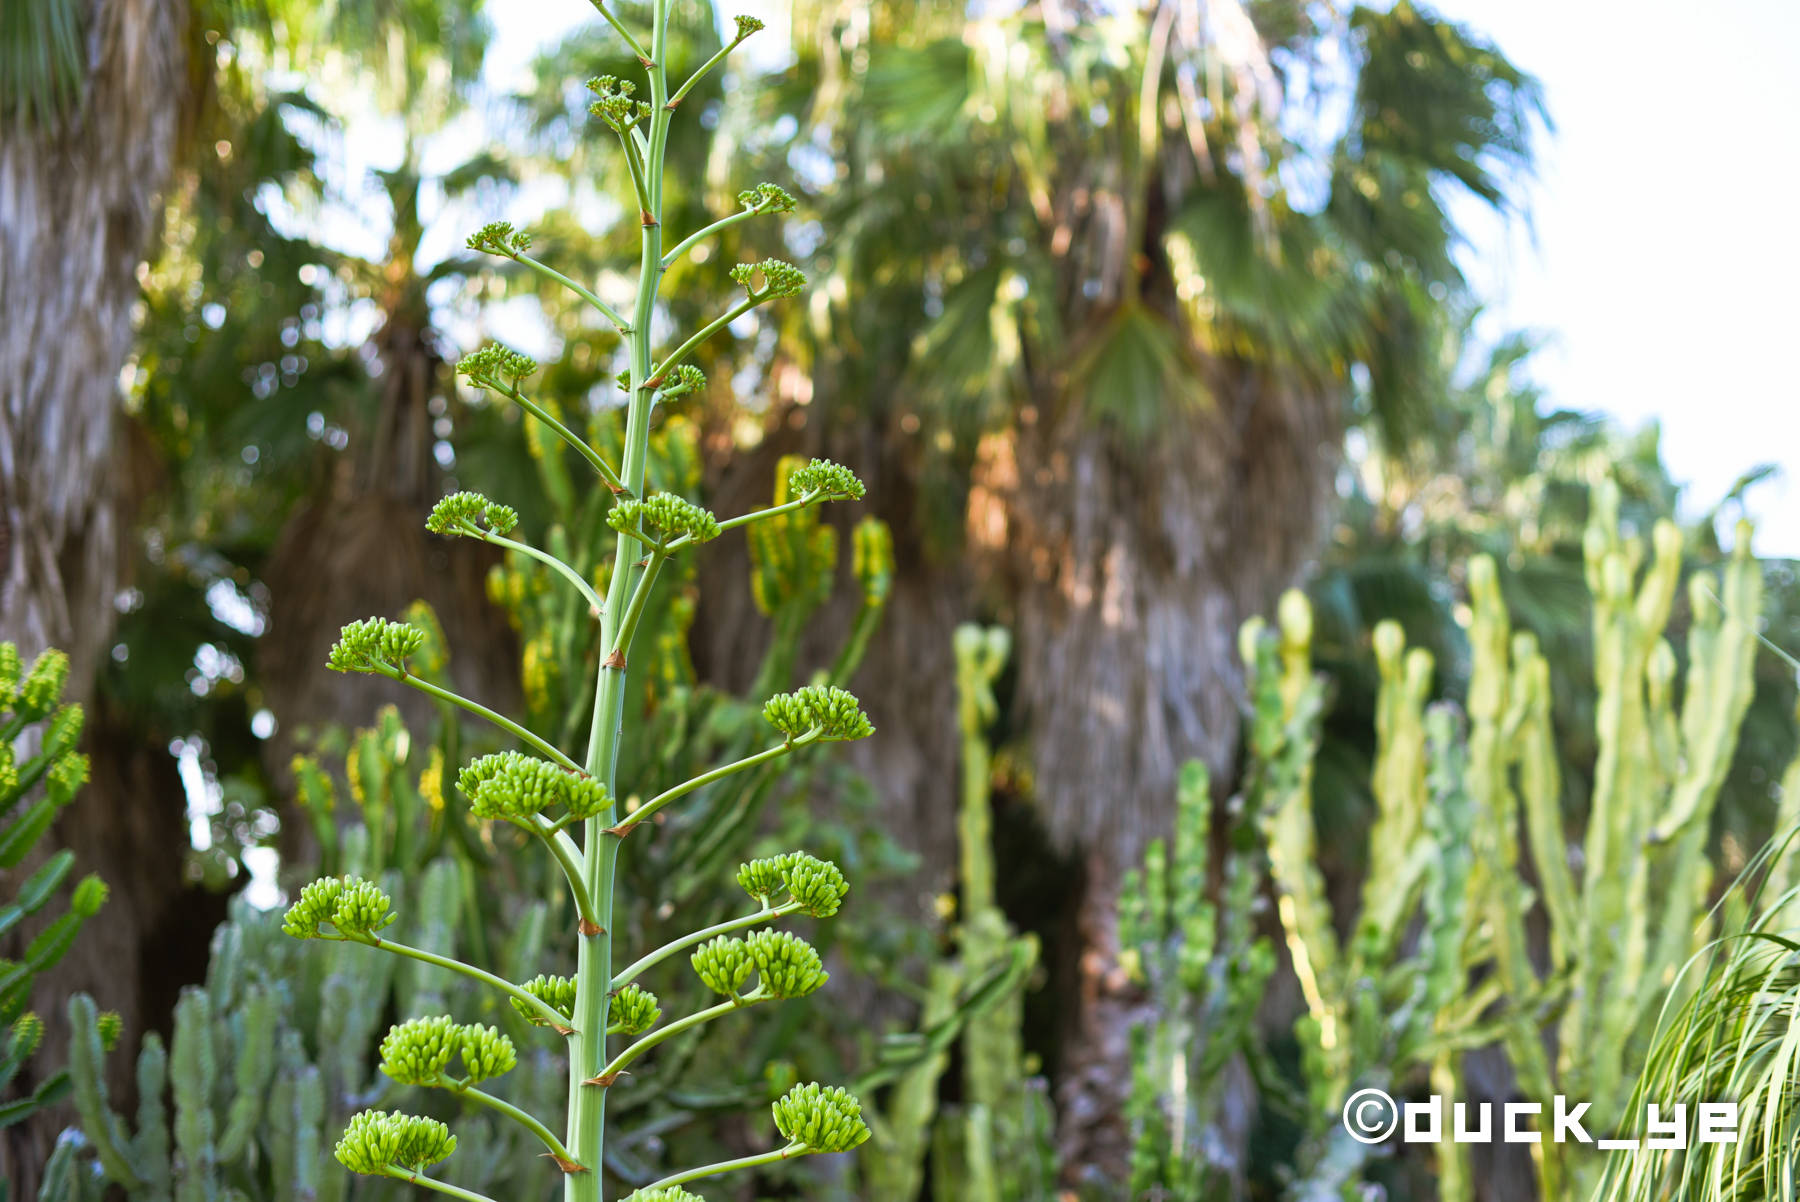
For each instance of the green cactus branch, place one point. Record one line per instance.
(634, 610)
(525, 1120)
(637, 968)
(475, 707)
(605, 310)
(745, 27)
(728, 1166)
(650, 808)
(499, 370)
(618, 1064)
(596, 606)
(535, 1005)
(411, 1177)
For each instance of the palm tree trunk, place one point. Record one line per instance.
(80, 202)
(1129, 569)
(1125, 573)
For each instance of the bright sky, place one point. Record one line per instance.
(1662, 267)
(1666, 256)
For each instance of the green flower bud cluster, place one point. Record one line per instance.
(836, 481)
(467, 513)
(816, 884)
(378, 1140)
(558, 993)
(684, 379)
(820, 1119)
(373, 644)
(766, 198)
(634, 1011)
(349, 905)
(419, 1051)
(763, 879)
(746, 26)
(667, 514)
(493, 363)
(832, 711)
(787, 966)
(43, 686)
(615, 105)
(663, 1193)
(779, 279)
(498, 238)
(486, 1052)
(723, 964)
(512, 786)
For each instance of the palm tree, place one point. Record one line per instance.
(92, 95)
(1109, 282)
(102, 124)
(90, 104)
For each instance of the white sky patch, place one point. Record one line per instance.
(263, 863)
(233, 608)
(1665, 253)
(204, 797)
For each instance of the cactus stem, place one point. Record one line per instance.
(442, 1187)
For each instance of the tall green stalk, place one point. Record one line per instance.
(528, 791)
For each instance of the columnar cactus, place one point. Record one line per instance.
(1444, 847)
(994, 1146)
(994, 1153)
(291, 1024)
(38, 736)
(1205, 969)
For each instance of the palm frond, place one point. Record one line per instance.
(919, 92)
(1731, 1035)
(1433, 94)
(1133, 372)
(43, 63)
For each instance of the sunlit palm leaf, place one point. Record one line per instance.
(42, 61)
(1732, 1035)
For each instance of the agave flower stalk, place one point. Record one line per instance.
(554, 795)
